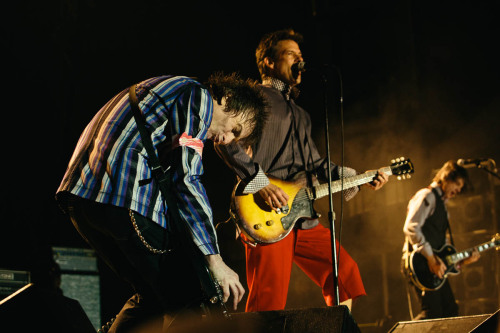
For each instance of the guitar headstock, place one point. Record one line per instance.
(401, 167)
(496, 241)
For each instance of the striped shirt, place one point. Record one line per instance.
(110, 163)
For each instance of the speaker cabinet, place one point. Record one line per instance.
(336, 319)
(478, 324)
(11, 281)
(80, 279)
(32, 309)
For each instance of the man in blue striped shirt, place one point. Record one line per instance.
(115, 203)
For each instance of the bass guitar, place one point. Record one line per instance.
(261, 224)
(416, 269)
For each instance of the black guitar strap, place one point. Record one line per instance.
(451, 235)
(164, 180)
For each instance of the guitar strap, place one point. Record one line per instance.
(164, 181)
(451, 235)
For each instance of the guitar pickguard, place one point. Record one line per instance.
(302, 208)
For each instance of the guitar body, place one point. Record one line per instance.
(421, 276)
(262, 224)
(416, 269)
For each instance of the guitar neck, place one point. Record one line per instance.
(459, 256)
(349, 182)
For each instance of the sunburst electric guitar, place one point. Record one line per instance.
(261, 224)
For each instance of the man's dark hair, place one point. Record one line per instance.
(243, 97)
(451, 172)
(268, 47)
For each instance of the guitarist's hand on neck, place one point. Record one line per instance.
(378, 181)
(436, 266)
(227, 279)
(274, 196)
(473, 258)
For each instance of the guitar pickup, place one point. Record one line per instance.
(284, 210)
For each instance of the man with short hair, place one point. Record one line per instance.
(286, 151)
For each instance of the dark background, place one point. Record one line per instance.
(419, 79)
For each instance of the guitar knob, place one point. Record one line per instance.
(270, 222)
(257, 226)
(214, 300)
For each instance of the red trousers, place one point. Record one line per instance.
(269, 266)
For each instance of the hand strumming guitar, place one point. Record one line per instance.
(436, 266)
(274, 196)
(227, 279)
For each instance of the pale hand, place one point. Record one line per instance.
(436, 266)
(227, 279)
(274, 196)
(473, 258)
(380, 180)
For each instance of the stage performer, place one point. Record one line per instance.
(285, 151)
(427, 228)
(114, 201)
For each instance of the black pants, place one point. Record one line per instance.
(164, 283)
(437, 303)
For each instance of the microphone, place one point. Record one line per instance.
(298, 67)
(472, 162)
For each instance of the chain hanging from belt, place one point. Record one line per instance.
(141, 237)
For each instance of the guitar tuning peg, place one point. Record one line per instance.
(402, 158)
(399, 177)
(408, 176)
(393, 161)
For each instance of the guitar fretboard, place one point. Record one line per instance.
(459, 256)
(349, 182)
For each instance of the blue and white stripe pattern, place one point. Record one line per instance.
(110, 164)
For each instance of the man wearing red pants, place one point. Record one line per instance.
(285, 151)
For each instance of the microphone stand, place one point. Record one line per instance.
(331, 213)
(491, 172)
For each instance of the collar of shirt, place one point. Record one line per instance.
(439, 190)
(281, 86)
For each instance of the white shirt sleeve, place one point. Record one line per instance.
(420, 207)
